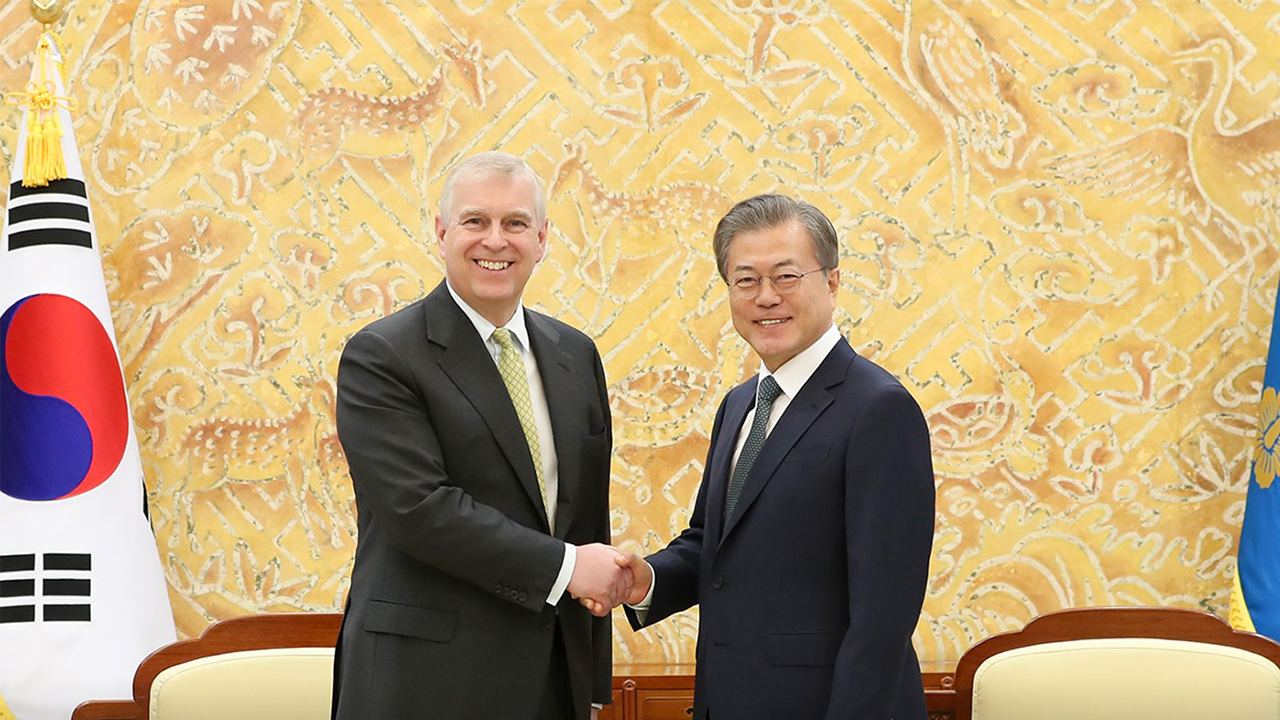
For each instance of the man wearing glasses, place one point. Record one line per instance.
(808, 547)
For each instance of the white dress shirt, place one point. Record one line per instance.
(542, 419)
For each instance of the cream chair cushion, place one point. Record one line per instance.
(274, 684)
(1126, 679)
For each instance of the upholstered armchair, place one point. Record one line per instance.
(258, 667)
(1121, 664)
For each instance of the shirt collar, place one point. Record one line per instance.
(485, 328)
(795, 372)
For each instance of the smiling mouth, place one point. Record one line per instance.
(493, 264)
(770, 322)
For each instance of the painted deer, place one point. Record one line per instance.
(274, 455)
(338, 122)
(686, 204)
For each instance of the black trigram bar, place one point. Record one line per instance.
(66, 613)
(66, 211)
(68, 233)
(67, 561)
(50, 236)
(17, 563)
(68, 186)
(66, 587)
(17, 588)
(17, 613)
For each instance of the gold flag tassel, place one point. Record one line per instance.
(44, 159)
(5, 712)
(1238, 612)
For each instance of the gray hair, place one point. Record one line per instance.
(490, 165)
(764, 212)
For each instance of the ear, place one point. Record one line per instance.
(833, 281)
(542, 240)
(440, 232)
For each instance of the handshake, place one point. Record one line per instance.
(605, 577)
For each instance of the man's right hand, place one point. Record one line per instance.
(601, 579)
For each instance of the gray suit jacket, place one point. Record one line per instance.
(447, 615)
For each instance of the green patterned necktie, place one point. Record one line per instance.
(511, 367)
(769, 391)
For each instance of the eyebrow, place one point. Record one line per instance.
(520, 214)
(781, 264)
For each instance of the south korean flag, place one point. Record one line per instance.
(83, 597)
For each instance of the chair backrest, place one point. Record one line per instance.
(277, 666)
(1121, 664)
(275, 684)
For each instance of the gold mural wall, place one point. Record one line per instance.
(1057, 221)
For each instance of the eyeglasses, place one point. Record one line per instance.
(784, 283)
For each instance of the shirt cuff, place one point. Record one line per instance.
(566, 572)
(642, 607)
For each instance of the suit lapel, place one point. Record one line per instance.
(561, 390)
(813, 398)
(470, 366)
(740, 401)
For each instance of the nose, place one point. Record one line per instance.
(493, 238)
(767, 295)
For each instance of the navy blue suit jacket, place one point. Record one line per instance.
(810, 594)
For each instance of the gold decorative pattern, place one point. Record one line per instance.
(1265, 463)
(1058, 222)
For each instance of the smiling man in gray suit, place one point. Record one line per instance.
(478, 436)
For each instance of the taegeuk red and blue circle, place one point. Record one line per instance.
(64, 416)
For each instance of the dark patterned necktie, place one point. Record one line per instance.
(755, 440)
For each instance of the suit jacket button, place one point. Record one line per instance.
(717, 582)
(523, 596)
(546, 629)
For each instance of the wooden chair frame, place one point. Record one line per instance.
(1107, 622)
(251, 632)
